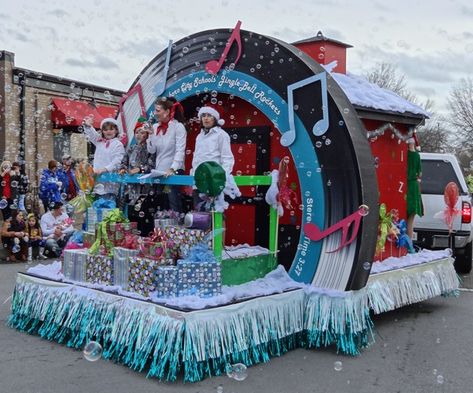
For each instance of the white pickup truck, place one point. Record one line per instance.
(431, 232)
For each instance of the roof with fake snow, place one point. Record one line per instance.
(365, 94)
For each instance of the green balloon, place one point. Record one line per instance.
(210, 178)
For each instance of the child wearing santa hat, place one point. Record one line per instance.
(109, 152)
(212, 144)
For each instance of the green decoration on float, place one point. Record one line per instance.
(210, 178)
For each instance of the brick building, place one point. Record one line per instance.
(40, 115)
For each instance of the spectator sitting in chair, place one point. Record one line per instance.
(57, 229)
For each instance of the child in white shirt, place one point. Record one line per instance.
(212, 144)
(109, 152)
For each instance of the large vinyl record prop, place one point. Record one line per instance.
(318, 125)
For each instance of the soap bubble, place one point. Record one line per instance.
(367, 266)
(364, 210)
(3, 204)
(92, 351)
(237, 371)
(439, 379)
(14, 184)
(141, 214)
(16, 248)
(64, 196)
(338, 365)
(219, 389)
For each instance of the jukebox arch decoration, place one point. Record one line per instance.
(317, 125)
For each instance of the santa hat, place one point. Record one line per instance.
(213, 111)
(108, 120)
(140, 123)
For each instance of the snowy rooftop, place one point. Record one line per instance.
(362, 93)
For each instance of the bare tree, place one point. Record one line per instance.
(460, 103)
(434, 135)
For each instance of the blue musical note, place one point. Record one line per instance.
(161, 85)
(321, 126)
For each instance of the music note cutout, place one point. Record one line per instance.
(321, 126)
(313, 232)
(137, 89)
(161, 85)
(214, 66)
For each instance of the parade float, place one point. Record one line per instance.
(306, 251)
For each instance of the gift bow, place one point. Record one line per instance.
(113, 216)
(385, 224)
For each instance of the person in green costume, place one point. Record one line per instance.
(414, 197)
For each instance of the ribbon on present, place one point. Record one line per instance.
(130, 241)
(200, 252)
(102, 242)
(103, 203)
(385, 224)
(404, 240)
(85, 179)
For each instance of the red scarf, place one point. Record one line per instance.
(107, 142)
(162, 127)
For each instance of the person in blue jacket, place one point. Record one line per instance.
(67, 177)
(50, 186)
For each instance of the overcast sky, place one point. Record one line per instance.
(109, 42)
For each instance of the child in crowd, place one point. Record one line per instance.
(109, 152)
(15, 237)
(35, 236)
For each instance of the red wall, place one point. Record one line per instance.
(391, 157)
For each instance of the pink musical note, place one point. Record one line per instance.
(214, 66)
(313, 232)
(134, 90)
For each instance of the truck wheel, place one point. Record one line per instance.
(463, 261)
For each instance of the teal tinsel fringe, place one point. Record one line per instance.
(201, 343)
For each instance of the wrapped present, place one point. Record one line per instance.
(198, 278)
(184, 237)
(158, 246)
(74, 264)
(121, 265)
(119, 230)
(93, 217)
(99, 269)
(131, 242)
(88, 239)
(104, 243)
(166, 281)
(200, 273)
(142, 275)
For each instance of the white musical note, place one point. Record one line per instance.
(161, 85)
(321, 126)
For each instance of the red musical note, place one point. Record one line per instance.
(313, 232)
(213, 66)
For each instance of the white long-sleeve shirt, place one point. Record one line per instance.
(170, 148)
(213, 146)
(49, 223)
(109, 157)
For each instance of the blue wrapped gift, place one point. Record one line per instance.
(198, 278)
(166, 281)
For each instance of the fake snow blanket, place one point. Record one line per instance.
(397, 282)
(164, 342)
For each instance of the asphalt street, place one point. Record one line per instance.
(426, 347)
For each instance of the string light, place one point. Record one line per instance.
(388, 126)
